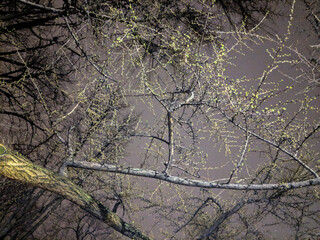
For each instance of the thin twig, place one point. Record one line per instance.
(274, 145)
(241, 159)
(170, 140)
(50, 9)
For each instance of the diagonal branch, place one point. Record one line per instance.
(221, 219)
(18, 168)
(198, 210)
(241, 159)
(42, 7)
(277, 146)
(98, 68)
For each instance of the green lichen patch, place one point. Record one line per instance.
(3, 150)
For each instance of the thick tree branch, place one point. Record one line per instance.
(188, 182)
(18, 168)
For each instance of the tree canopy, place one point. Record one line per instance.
(159, 119)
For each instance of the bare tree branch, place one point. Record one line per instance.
(277, 146)
(42, 7)
(189, 182)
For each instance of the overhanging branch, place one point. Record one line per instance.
(188, 182)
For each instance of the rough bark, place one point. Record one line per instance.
(188, 182)
(17, 167)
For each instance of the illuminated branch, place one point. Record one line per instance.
(189, 182)
(18, 168)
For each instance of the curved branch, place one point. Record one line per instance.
(188, 182)
(277, 146)
(18, 168)
(24, 117)
(150, 136)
